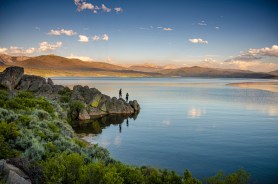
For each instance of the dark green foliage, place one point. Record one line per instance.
(24, 120)
(65, 95)
(26, 101)
(8, 134)
(76, 107)
(3, 97)
(239, 177)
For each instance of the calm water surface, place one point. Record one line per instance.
(199, 124)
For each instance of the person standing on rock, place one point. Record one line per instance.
(120, 93)
(126, 97)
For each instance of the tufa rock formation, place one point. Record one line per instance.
(94, 103)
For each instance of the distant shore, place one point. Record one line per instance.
(267, 86)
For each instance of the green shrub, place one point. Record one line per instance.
(76, 107)
(239, 177)
(8, 134)
(65, 95)
(23, 120)
(8, 116)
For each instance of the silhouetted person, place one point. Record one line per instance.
(126, 97)
(127, 122)
(120, 128)
(120, 93)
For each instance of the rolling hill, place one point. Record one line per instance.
(197, 71)
(52, 65)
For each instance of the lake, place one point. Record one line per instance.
(200, 124)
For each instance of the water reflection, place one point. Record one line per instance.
(95, 126)
(196, 112)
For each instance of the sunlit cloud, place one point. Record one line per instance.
(3, 50)
(168, 29)
(45, 46)
(105, 8)
(198, 40)
(13, 50)
(105, 37)
(217, 28)
(256, 54)
(61, 32)
(96, 38)
(83, 5)
(83, 38)
(83, 58)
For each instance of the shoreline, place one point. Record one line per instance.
(266, 86)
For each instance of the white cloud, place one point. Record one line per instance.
(217, 28)
(62, 31)
(96, 38)
(118, 9)
(105, 37)
(3, 50)
(83, 58)
(83, 38)
(167, 29)
(45, 46)
(83, 5)
(198, 40)
(202, 23)
(105, 8)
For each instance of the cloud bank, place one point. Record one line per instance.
(83, 5)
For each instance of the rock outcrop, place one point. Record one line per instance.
(11, 77)
(95, 103)
(13, 174)
(98, 104)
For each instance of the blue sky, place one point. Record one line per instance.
(218, 33)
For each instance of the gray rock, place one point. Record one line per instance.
(83, 115)
(31, 82)
(14, 174)
(115, 106)
(50, 82)
(14, 178)
(11, 77)
(95, 112)
(134, 104)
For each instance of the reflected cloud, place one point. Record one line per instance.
(166, 123)
(195, 112)
(117, 140)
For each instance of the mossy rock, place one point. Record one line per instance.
(96, 100)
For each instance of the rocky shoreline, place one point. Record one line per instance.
(93, 102)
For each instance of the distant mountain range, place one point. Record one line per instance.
(52, 65)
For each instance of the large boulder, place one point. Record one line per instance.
(84, 94)
(31, 82)
(134, 104)
(115, 106)
(11, 77)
